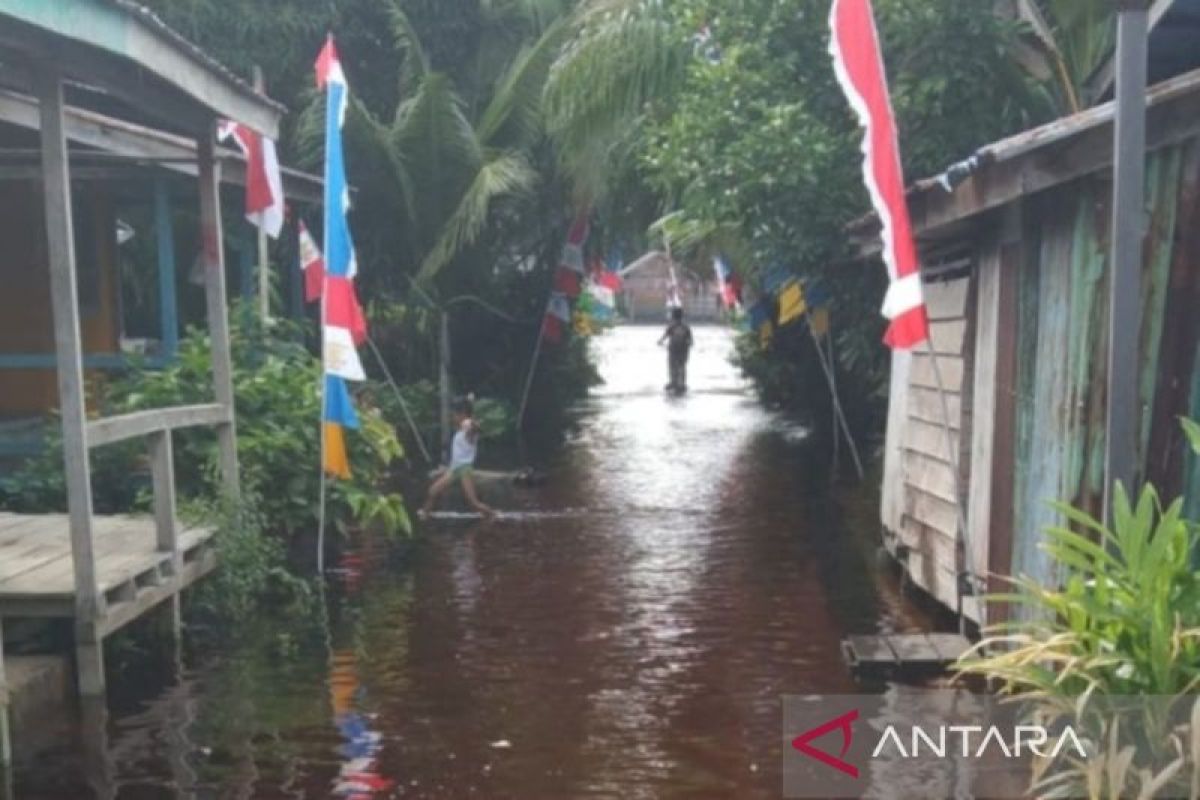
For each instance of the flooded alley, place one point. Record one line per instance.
(629, 633)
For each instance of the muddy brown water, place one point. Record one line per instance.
(627, 634)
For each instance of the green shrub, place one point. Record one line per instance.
(1125, 621)
(253, 564)
(276, 391)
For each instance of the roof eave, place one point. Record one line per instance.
(123, 31)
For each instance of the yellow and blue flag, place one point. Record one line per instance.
(818, 309)
(791, 302)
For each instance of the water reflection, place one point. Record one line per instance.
(629, 634)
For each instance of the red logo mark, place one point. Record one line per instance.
(844, 724)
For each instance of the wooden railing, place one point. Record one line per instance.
(156, 426)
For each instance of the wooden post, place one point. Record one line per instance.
(164, 233)
(444, 378)
(264, 274)
(60, 239)
(5, 701)
(162, 473)
(1128, 227)
(213, 255)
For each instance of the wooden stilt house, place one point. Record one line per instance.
(60, 184)
(1015, 265)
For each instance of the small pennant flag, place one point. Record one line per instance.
(818, 320)
(264, 184)
(727, 282)
(791, 302)
(568, 278)
(760, 321)
(312, 264)
(558, 316)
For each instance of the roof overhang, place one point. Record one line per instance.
(158, 148)
(1040, 159)
(128, 52)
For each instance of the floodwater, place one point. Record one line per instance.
(628, 633)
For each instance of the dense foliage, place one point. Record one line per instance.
(275, 383)
(1113, 647)
(757, 154)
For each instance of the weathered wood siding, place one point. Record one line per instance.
(921, 508)
(1062, 299)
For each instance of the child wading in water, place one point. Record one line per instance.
(462, 461)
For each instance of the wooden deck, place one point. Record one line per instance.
(37, 574)
(904, 652)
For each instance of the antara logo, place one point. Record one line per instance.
(844, 723)
(1021, 741)
(941, 741)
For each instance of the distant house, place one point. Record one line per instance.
(647, 288)
(1015, 267)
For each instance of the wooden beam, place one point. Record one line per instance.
(213, 256)
(162, 471)
(143, 423)
(171, 152)
(67, 345)
(1125, 263)
(1102, 79)
(1042, 160)
(164, 241)
(130, 53)
(1014, 249)
(5, 702)
(122, 79)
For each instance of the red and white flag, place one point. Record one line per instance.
(312, 264)
(264, 184)
(557, 318)
(858, 62)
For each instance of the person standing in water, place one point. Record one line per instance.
(463, 449)
(678, 337)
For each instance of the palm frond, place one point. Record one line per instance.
(503, 175)
(439, 147)
(624, 55)
(415, 64)
(517, 102)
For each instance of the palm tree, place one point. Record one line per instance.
(441, 163)
(622, 58)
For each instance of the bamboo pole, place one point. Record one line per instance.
(960, 543)
(837, 406)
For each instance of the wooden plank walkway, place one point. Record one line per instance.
(904, 652)
(37, 575)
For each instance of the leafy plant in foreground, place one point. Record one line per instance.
(1125, 621)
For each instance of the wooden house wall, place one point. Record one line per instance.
(923, 513)
(1063, 334)
(26, 322)
(1023, 356)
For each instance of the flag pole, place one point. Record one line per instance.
(960, 544)
(321, 507)
(836, 439)
(400, 398)
(837, 405)
(321, 466)
(533, 362)
(264, 282)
